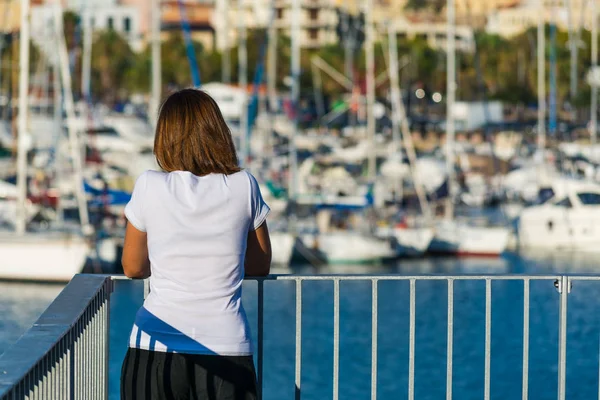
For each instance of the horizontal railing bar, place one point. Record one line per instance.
(356, 277)
(404, 277)
(583, 277)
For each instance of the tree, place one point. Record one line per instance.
(435, 5)
(112, 60)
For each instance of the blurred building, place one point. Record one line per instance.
(317, 19)
(197, 13)
(98, 14)
(512, 21)
(475, 13)
(435, 33)
(10, 12)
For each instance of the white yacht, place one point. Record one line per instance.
(569, 218)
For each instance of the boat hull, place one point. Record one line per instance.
(559, 228)
(282, 245)
(466, 240)
(38, 258)
(413, 241)
(350, 248)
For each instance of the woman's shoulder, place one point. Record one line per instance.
(245, 178)
(151, 178)
(242, 176)
(152, 175)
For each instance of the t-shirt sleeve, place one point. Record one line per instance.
(259, 208)
(134, 210)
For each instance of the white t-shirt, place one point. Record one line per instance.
(197, 228)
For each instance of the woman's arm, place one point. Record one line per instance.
(135, 261)
(258, 252)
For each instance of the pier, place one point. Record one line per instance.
(65, 354)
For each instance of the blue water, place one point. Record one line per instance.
(431, 319)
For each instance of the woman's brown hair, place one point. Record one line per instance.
(191, 135)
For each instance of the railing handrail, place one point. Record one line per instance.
(57, 321)
(397, 277)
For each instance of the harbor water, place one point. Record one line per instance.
(20, 304)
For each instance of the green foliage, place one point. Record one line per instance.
(71, 23)
(435, 5)
(112, 61)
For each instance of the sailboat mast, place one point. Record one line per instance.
(226, 52)
(87, 54)
(268, 138)
(58, 126)
(573, 43)
(272, 61)
(594, 101)
(22, 119)
(74, 144)
(243, 79)
(399, 119)
(370, 83)
(552, 101)
(541, 75)
(156, 65)
(450, 100)
(295, 70)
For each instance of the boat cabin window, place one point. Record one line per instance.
(103, 132)
(589, 199)
(564, 203)
(544, 195)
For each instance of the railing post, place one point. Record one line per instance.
(298, 366)
(374, 321)
(106, 335)
(564, 288)
(488, 338)
(336, 338)
(525, 384)
(450, 339)
(411, 340)
(260, 336)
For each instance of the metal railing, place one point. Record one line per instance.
(559, 282)
(65, 353)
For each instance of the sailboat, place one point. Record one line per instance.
(42, 255)
(412, 239)
(453, 236)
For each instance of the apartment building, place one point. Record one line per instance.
(435, 33)
(198, 14)
(475, 13)
(98, 14)
(512, 21)
(317, 19)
